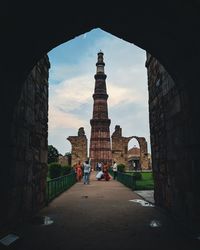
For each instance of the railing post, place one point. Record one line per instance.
(134, 182)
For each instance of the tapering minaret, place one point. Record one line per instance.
(100, 146)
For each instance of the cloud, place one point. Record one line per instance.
(59, 73)
(122, 95)
(64, 99)
(60, 119)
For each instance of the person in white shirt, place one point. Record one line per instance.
(99, 166)
(114, 168)
(86, 171)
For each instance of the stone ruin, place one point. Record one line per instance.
(79, 147)
(119, 148)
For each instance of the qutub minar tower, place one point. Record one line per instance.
(100, 145)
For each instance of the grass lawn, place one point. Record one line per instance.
(146, 183)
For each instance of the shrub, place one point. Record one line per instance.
(55, 170)
(138, 175)
(121, 167)
(66, 169)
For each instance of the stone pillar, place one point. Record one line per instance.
(144, 161)
(79, 147)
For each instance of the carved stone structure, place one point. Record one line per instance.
(100, 147)
(120, 146)
(79, 147)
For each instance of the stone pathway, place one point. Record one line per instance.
(101, 216)
(147, 195)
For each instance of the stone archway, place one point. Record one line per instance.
(174, 42)
(120, 146)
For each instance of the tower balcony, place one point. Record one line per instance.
(100, 122)
(100, 96)
(100, 75)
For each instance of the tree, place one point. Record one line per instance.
(52, 154)
(121, 167)
(68, 154)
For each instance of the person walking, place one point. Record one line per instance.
(114, 168)
(86, 171)
(79, 173)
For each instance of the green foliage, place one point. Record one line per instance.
(66, 169)
(121, 167)
(55, 170)
(138, 175)
(146, 183)
(68, 154)
(52, 154)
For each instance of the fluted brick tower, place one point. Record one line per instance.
(100, 146)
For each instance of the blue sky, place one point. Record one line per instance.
(71, 85)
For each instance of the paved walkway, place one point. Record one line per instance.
(101, 216)
(147, 195)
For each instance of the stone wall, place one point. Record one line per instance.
(29, 145)
(120, 146)
(171, 145)
(79, 147)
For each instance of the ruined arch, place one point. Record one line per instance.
(120, 148)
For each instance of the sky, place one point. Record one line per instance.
(71, 86)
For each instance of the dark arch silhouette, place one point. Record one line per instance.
(167, 30)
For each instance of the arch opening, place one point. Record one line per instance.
(179, 109)
(125, 64)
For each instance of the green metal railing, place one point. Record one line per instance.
(58, 185)
(127, 180)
